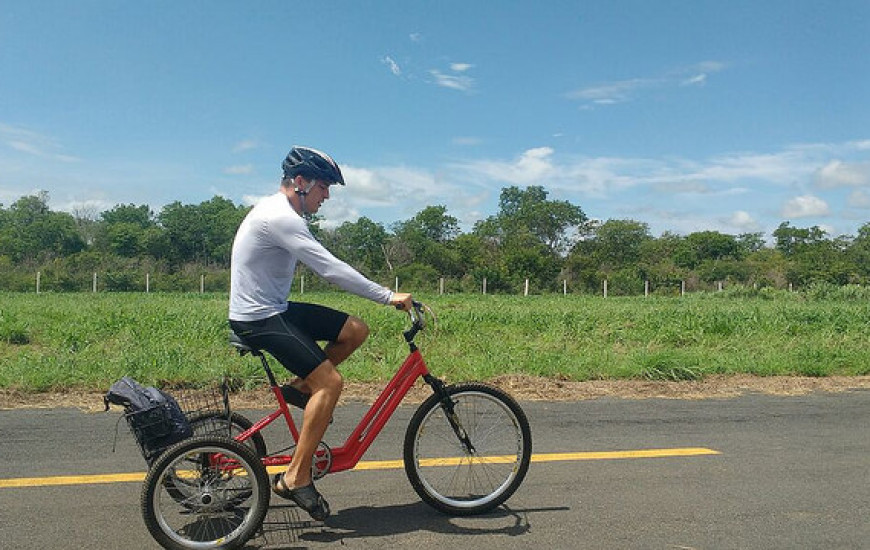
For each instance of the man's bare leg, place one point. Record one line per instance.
(352, 335)
(326, 384)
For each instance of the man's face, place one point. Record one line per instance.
(318, 194)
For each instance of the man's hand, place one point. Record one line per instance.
(402, 300)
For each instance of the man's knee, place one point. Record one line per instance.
(326, 377)
(355, 331)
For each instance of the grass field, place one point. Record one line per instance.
(51, 342)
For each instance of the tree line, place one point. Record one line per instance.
(551, 243)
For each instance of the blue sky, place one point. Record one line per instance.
(687, 115)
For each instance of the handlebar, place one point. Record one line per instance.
(418, 320)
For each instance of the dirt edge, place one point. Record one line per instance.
(524, 388)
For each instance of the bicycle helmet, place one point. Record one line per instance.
(311, 164)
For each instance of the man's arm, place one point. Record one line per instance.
(300, 242)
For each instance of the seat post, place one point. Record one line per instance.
(268, 369)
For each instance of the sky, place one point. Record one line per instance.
(686, 115)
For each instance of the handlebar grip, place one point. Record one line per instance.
(414, 303)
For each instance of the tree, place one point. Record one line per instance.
(30, 230)
(657, 259)
(706, 246)
(550, 222)
(531, 234)
(789, 240)
(750, 242)
(858, 254)
(361, 243)
(123, 228)
(140, 216)
(427, 236)
(431, 224)
(618, 243)
(202, 232)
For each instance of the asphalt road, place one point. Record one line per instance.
(791, 472)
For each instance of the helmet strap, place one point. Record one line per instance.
(303, 193)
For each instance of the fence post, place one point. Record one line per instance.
(605, 288)
(201, 284)
(526, 288)
(397, 284)
(484, 285)
(441, 286)
(720, 286)
(646, 289)
(682, 288)
(147, 283)
(38, 277)
(95, 282)
(302, 284)
(565, 287)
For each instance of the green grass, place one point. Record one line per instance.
(87, 341)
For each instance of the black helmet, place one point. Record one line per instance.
(311, 164)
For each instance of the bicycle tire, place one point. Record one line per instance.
(215, 423)
(226, 506)
(450, 478)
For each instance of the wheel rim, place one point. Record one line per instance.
(464, 480)
(218, 503)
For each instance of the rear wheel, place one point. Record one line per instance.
(226, 494)
(217, 423)
(462, 475)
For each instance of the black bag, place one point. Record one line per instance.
(155, 418)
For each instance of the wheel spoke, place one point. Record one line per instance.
(478, 481)
(188, 504)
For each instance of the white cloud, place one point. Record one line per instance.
(392, 65)
(529, 168)
(415, 37)
(459, 82)
(33, 143)
(859, 199)
(837, 173)
(744, 222)
(398, 190)
(466, 140)
(239, 169)
(610, 93)
(729, 175)
(686, 186)
(622, 91)
(697, 80)
(245, 145)
(805, 206)
(782, 168)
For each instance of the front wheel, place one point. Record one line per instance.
(474, 463)
(226, 493)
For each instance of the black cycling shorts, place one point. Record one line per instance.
(291, 337)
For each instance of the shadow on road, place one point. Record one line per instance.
(284, 527)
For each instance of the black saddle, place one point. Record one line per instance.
(242, 346)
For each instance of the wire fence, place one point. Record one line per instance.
(218, 281)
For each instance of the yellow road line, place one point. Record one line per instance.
(376, 465)
(71, 480)
(609, 455)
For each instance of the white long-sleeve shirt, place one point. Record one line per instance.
(268, 244)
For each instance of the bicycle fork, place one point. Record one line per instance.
(448, 405)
